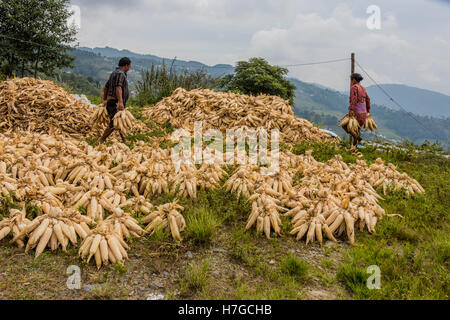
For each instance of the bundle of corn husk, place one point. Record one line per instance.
(105, 245)
(265, 212)
(42, 106)
(243, 181)
(167, 216)
(185, 182)
(370, 124)
(54, 229)
(350, 125)
(124, 224)
(123, 121)
(138, 204)
(226, 110)
(100, 115)
(210, 175)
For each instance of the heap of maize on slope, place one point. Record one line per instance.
(332, 199)
(65, 176)
(42, 106)
(166, 216)
(226, 110)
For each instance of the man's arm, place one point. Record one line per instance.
(120, 98)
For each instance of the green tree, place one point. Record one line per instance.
(35, 36)
(257, 76)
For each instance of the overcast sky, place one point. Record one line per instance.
(412, 47)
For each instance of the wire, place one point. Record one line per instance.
(313, 63)
(31, 42)
(398, 104)
(284, 66)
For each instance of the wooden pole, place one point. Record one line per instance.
(352, 71)
(353, 67)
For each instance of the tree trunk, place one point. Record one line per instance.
(37, 62)
(23, 68)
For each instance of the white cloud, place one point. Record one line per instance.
(388, 57)
(412, 46)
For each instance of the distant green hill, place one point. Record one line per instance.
(416, 100)
(98, 62)
(327, 107)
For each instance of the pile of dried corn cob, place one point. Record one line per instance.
(41, 106)
(123, 121)
(226, 110)
(15, 223)
(64, 176)
(331, 199)
(55, 228)
(387, 177)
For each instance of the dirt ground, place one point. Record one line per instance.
(158, 270)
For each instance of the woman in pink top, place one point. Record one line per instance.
(359, 104)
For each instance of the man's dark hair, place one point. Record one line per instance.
(357, 77)
(124, 62)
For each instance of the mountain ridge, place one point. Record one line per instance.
(315, 102)
(417, 100)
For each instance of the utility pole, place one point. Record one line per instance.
(352, 72)
(353, 67)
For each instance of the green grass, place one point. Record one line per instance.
(160, 235)
(327, 263)
(6, 204)
(195, 278)
(323, 152)
(294, 267)
(224, 204)
(93, 141)
(354, 279)
(245, 253)
(202, 224)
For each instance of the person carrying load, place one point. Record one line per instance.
(359, 106)
(116, 94)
